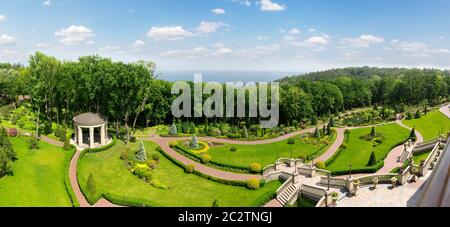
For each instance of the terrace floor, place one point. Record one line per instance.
(385, 196)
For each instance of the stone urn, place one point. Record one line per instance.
(394, 182)
(375, 182)
(414, 173)
(356, 184)
(334, 198)
(432, 165)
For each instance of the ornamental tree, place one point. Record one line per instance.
(173, 129)
(317, 133)
(373, 159)
(194, 142)
(141, 155)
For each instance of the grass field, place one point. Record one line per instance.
(430, 125)
(184, 189)
(267, 154)
(358, 150)
(38, 179)
(418, 158)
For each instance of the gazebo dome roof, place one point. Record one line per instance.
(90, 119)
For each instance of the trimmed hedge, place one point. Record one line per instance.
(368, 169)
(104, 148)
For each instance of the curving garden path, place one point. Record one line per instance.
(445, 110)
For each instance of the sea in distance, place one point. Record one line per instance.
(224, 76)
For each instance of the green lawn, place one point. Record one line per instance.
(185, 189)
(38, 179)
(418, 158)
(358, 150)
(430, 125)
(267, 154)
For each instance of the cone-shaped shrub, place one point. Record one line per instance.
(141, 155)
(91, 185)
(373, 159)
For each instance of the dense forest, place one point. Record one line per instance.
(131, 96)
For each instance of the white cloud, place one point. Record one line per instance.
(207, 27)
(243, 2)
(262, 37)
(438, 51)
(10, 53)
(47, 3)
(2, 18)
(295, 31)
(74, 35)
(312, 30)
(218, 45)
(138, 43)
(363, 41)
(259, 51)
(218, 11)
(408, 46)
(223, 51)
(6, 40)
(268, 5)
(189, 53)
(109, 48)
(315, 41)
(44, 45)
(168, 33)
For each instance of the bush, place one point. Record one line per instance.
(320, 165)
(173, 144)
(124, 155)
(158, 184)
(253, 184)
(255, 167)
(303, 157)
(233, 149)
(233, 136)
(215, 203)
(67, 145)
(91, 185)
(151, 164)
(206, 158)
(190, 168)
(155, 157)
(133, 139)
(291, 141)
(417, 115)
(173, 130)
(33, 143)
(144, 172)
(12, 132)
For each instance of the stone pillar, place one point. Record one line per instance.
(349, 184)
(102, 135)
(91, 137)
(80, 136)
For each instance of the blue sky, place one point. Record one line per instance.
(236, 35)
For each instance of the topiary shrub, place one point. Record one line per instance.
(255, 167)
(233, 149)
(291, 141)
(206, 158)
(373, 159)
(91, 185)
(253, 184)
(67, 146)
(124, 155)
(320, 165)
(133, 139)
(317, 133)
(413, 135)
(173, 130)
(190, 168)
(215, 203)
(141, 155)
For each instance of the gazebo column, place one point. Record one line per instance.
(91, 137)
(80, 136)
(102, 135)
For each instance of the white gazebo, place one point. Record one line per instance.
(96, 124)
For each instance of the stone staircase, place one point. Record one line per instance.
(285, 196)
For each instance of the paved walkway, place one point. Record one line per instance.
(445, 110)
(335, 146)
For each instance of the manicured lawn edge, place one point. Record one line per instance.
(324, 148)
(70, 191)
